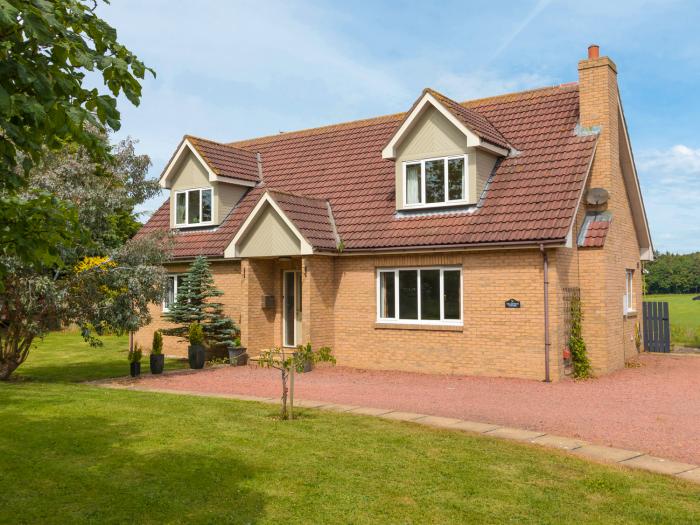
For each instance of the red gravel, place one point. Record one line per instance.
(654, 408)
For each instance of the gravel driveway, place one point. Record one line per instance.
(654, 408)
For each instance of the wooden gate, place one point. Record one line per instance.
(657, 327)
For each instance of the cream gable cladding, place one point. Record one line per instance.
(435, 136)
(268, 236)
(267, 232)
(191, 174)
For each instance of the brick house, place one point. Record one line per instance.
(447, 239)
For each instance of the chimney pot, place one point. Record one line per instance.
(593, 51)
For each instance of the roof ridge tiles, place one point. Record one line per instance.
(297, 195)
(369, 121)
(223, 144)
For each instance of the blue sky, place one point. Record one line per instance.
(229, 70)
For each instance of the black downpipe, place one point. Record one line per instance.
(545, 265)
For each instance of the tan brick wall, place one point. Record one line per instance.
(494, 341)
(608, 333)
(227, 277)
(258, 278)
(319, 294)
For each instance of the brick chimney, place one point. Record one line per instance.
(598, 106)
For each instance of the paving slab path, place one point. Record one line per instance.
(652, 409)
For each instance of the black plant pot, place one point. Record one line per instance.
(135, 369)
(216, 352)
(196, 356)
(308, 365)
(238, 356)
(157, 363)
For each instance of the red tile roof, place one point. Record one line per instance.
(594, 230)
(227, 161)
(531, 195)
(472, 119)
(312, 217)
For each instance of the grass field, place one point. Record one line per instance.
(685, 317)
(66, 357)
(73, 453)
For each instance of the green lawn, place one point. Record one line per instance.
(72, 453)
(66, 357)
(685, 317)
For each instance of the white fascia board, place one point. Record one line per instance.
(570, 234)
(389, 151)
(231, 251)
(646, 253)
(501, 152)
(170, 168)
(232, 180)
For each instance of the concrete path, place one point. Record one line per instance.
(627, 458)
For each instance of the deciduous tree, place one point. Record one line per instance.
(46, 50)
(100, 282)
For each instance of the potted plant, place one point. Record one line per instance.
(196, 353)
(134, 357)
(157, 357)
(305, 355)
(238, 355)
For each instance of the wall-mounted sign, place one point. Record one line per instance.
(512, 303)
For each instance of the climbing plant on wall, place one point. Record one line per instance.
(577, 346)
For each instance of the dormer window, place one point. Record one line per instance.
(435, 182)
(193, 207)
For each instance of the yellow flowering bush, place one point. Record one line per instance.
(88, 263)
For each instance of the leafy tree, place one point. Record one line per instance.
(103, 195)
(100, 294)
(194, 305)
(673, 273)
(99, 283)
(289, 362)
(46, 50)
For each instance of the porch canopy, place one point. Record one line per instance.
(284, 224)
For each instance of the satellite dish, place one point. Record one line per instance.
(597, 196)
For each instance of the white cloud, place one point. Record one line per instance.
(483, 83)
(670, 181)
(278, 46)
(677, 161)
(230, 70)
(532, 14)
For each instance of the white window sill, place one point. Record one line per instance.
(447, 204)
(198, 225)
(631, 313)
(407, 325)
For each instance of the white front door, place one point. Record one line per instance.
(291, 308)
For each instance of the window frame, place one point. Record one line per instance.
(628, 300)
(447, 201)
(187, 207)
(434, 322)
(174, 276)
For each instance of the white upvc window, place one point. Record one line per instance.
(629, 306)
(424, 295)
(435, 182)
(172, 284)
(193, 207)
